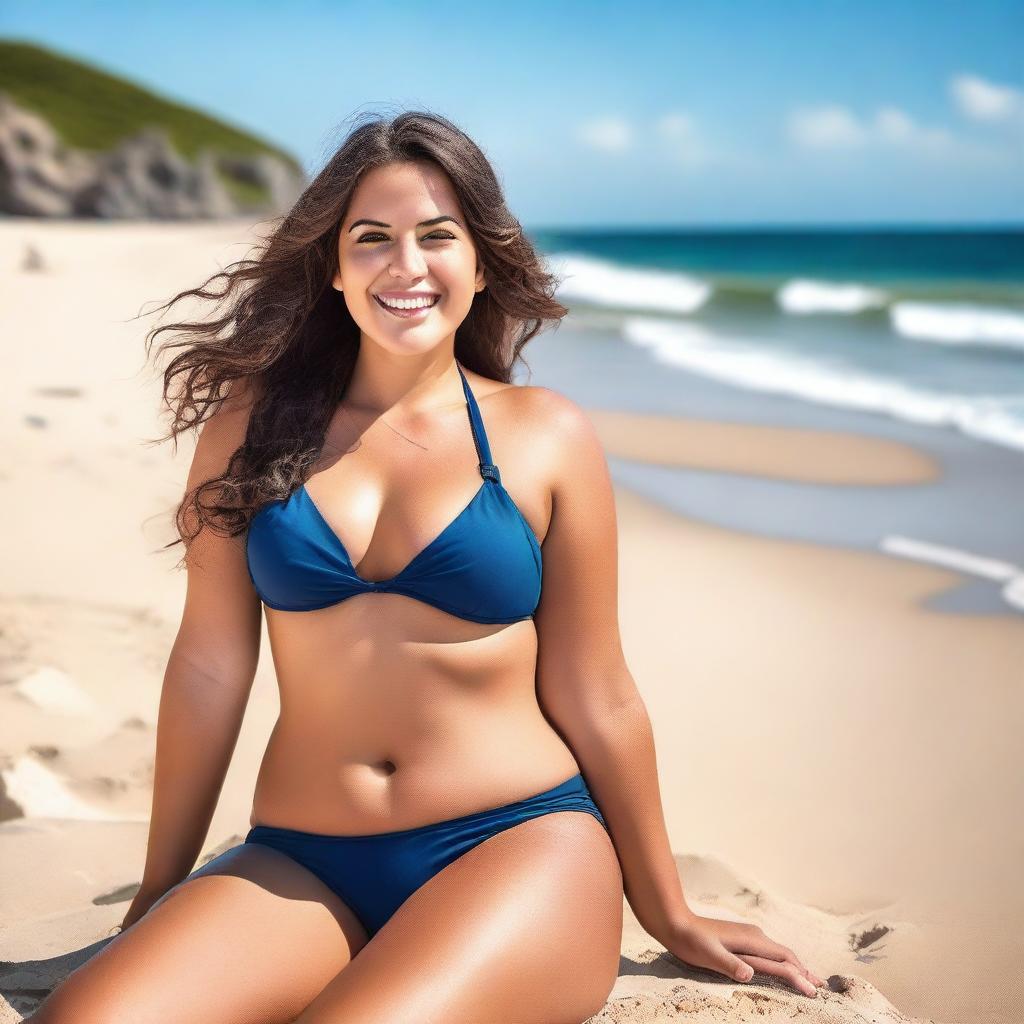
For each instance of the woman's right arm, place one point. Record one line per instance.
(207, 681)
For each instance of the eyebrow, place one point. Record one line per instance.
(422, 223)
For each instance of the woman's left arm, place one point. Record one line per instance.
(586, 691)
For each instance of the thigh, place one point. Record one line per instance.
(251, 936)
(526, 926)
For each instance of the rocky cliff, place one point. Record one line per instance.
(141, 177)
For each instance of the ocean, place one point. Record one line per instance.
(920, 324)
(913, 335)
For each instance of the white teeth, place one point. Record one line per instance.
(408, 303)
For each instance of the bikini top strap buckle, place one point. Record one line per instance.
(488, 470)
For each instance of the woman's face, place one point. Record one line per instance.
(402, 255)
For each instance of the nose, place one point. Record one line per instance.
(408, 260)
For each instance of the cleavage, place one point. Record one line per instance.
(354, 508)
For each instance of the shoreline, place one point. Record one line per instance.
(779, 453)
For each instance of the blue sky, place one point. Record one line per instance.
(728, 112)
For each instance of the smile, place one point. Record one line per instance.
(408, 309)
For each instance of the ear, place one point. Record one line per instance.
(480, 283)
(336, 281)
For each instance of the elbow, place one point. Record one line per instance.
(609, 697)
(601, 724)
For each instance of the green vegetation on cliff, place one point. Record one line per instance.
(93, 110)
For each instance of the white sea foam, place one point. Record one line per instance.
(827, 380)
(1013, 592)
(603, 283)
(1011, 576)
(953, 558)
(958, 324)
(806, 296)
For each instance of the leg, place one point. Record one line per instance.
(251, 937)
(526, 927)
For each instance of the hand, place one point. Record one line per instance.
(737, 950)
(141, 903)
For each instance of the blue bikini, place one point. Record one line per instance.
(485, 566)
(375, 874)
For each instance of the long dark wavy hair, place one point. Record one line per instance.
(287, 337)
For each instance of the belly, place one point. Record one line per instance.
(395, 714)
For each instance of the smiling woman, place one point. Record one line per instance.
(424, 844)
(444, 296)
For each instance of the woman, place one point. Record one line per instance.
(423, 845)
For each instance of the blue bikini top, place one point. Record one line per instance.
(484, 566)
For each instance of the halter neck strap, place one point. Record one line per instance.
(483, 450)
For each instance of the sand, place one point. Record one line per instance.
(837, 764)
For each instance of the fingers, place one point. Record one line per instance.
(775, 950)
(784, 969)
(772, 950)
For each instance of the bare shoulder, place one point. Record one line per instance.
(557, 431)
(223, 431)
(554, 413)
(534, 403)
(548, 406)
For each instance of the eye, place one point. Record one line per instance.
(372, 236)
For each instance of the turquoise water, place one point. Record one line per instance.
(920, 324)
(970, 262)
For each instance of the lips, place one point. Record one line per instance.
(407, 314)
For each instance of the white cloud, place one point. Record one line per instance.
(836, 127)
(679, 134)
(982, 100)
(830, 127)
(676, 126)
(611, 134)
(894, 124)
(897, 127)
(684, 138)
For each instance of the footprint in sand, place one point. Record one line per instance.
(41, 793)
(53, 690)
(755, 896)
(59, 391)
(32, 259)
(859, 943)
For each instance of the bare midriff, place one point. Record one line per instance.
(395, 714)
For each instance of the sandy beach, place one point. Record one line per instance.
(837, 757)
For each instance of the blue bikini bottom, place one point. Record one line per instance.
(375, 874)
